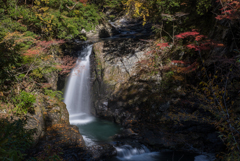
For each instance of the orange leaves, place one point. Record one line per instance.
(84, 2)
(32, 52)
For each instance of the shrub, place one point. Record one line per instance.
(23, 102)
(14, 140)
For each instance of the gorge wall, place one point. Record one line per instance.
(122, 94)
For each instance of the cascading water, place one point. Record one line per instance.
(127, 152)
(94, 131)
(77, 95)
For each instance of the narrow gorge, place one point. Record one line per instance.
(119, 80)
(108, 101)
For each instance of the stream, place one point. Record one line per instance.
(97, 131)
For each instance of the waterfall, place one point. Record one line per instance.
(77, 94)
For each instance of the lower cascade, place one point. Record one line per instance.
(127, 152)
(96, 131)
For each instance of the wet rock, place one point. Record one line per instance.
(56, 114)
(63, 135)
(54, 131)
(102, 151)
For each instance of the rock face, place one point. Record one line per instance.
(36, 121)
(116, 63)
(122, 94)
(51, 119)
(52, 79)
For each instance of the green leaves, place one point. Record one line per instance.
(14, 140)
(23, 102)
(53, 94)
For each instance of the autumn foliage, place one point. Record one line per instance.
(230, 10)
(66, 65)
(42, 47)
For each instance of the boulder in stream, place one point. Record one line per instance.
(102, 151)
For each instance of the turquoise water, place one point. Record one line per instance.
(96, 131)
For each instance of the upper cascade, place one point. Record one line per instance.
(77, 95)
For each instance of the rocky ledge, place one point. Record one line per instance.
(54, 134)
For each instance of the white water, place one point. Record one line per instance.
(77, 94)
(129, 153)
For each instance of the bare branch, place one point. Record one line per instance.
(71, 8)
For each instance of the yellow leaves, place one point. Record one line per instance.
(44, 9)
(37, 2)
(203, 83)
(139, 9)
(138, 6)
(76, 12)
(46, 21)
(45, 1)
(48, 57)
(13, 38)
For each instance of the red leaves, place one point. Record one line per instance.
(162, 45)
(179, 62)
(190, 68)
(42, 46)
(187, 34)
(203, 43)
(199, 37)
(229, 10)
(67, 63)
(183, 70)
(84, 2)
(204, 46)
(193, 33)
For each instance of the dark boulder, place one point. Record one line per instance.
(102, 151)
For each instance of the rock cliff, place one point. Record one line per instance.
(122, 94)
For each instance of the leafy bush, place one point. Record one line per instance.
(14, 140)
(23, 102)
(53, 94)
(51, 19)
